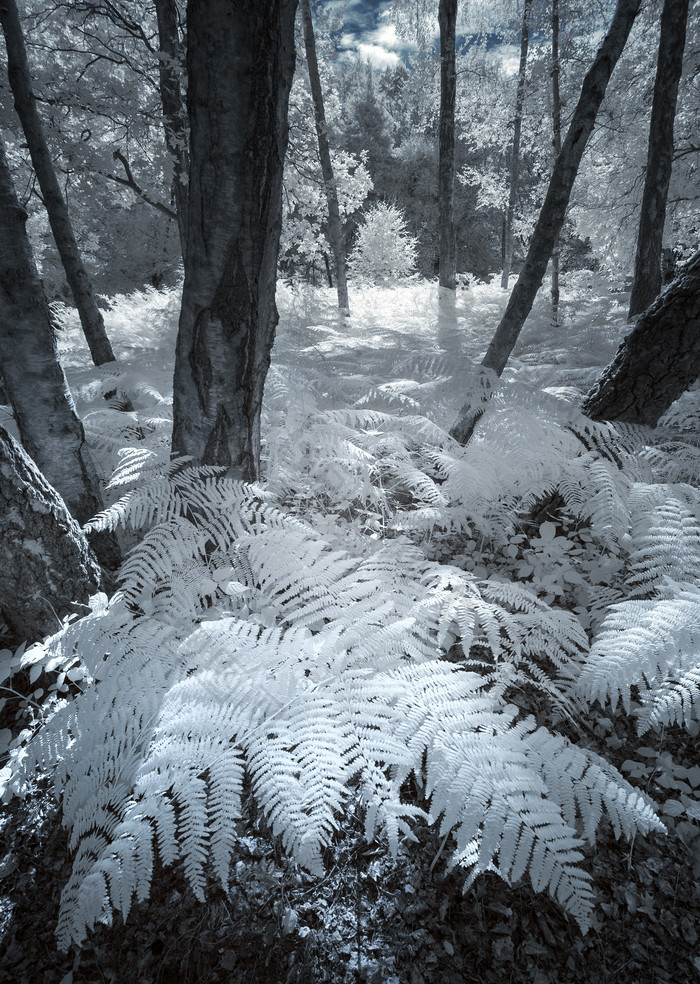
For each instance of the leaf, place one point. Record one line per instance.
(673, 808)
(547, 531)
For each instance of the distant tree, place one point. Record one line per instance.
(657, 361)
(240, 64)
(556, 142)
(551, 217)
(331, 189)
(171, 59)
(59, 219)
(447, 20)
(515, 146)
(647, 264)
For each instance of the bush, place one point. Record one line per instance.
(384, 249)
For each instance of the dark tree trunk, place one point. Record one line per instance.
(48, 569)
(240, 59)
(647, 264)
(556, 141)
(515, 150)
(49, 427)
(61, 227)
(447, 19)
(335, 232)
(657, 361)
(174, 110)
(551, 217)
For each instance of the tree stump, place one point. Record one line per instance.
(48, 569)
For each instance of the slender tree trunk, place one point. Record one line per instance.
(47, 565)
(556, 141)
(240, 59)
(515, 152)
(551, 217)
(61, 227)
(647, 264)
(657, 361)
(49, 427)
(174, 110)
(335, 233)
(447, 19)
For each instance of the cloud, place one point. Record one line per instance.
(379, 56)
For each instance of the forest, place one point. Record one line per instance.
(349, 491)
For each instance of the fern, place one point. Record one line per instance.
(646, 644)
(241, 642)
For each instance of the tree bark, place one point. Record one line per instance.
(515, 152)
(174, 111)
(647, 264)
(49, 427)
(551, 217)
(59, 220)
(240, 60)
(657, 361)
(556, 141)
(48, 567)
(334, 227)
(447, 20)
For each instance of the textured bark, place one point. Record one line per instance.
(49, 427)
(59, 220)
(647, 264)
(447, 19)
(48, 569)
(556, 141)
(174, 109)
(515, 150)
(240, 59)
(551, 217)
(334, 227)
(657, 361)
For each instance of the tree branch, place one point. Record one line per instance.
(130, 182)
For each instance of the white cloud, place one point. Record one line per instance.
(379, 56)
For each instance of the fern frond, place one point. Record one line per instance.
(642, 643)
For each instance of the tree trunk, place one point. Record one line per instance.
(48, 424)
(240, 60)
(61, 227)
(48, 567)
(556, 141)
(515, 152)
(174, 112)
(551, 217)
(647, 264)
(657, 361)
(447, 19)
(335, 233)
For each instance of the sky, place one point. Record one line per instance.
(367, 30)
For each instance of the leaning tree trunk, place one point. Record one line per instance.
(556, 141)
(61, 227)
(36, 387)
(647, 264)
(447, 19)
(657, 361)
(240, 59)
(515, 150)
(48, 569)
(174, 110)
(551, 217)
(324, 153)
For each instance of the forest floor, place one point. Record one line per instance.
(371, 919)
